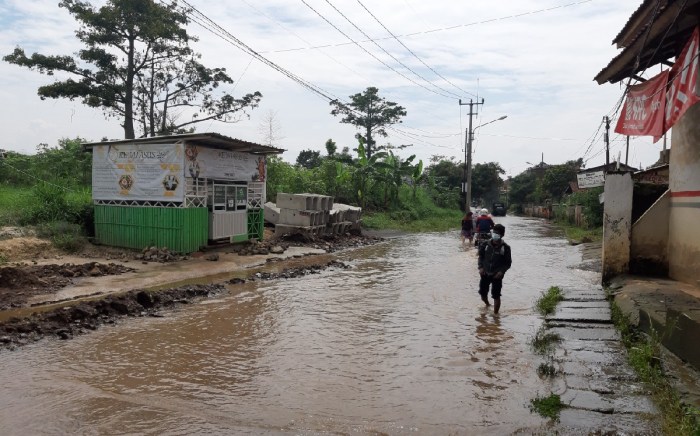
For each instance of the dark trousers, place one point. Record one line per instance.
(496, 285)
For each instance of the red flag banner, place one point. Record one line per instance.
(644, 108)
(682, 90)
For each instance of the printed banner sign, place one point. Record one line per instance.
(644, 108)
(645, 113)
(682, 90)
(590, 180)
(149, 172)
(218, 164)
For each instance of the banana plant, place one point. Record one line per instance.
(417, 176)
(366, 170)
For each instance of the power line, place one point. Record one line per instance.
(440, 29)
(202, 19)
(367, 51)
(302, 39)
(411, 51)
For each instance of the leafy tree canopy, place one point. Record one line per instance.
(137, 66)
(331, 147)
(370, 113)
(309, 158)
(486, 181)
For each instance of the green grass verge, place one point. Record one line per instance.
(437, 220)
(579, 235)
(644, 356)
(544, 341)
(548, 301)
(548, 407)
(14, 202)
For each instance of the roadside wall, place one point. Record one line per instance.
(649, 246)
(617, 224)
(684, 183)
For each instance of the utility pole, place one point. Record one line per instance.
(607, 142)
(467, 179)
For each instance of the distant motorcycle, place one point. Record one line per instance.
(481, 238)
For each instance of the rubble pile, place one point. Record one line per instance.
(162, 255)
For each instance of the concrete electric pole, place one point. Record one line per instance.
(467, 178)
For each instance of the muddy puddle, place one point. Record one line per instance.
(398, 343)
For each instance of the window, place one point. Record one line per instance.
(229, 197)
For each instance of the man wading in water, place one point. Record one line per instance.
(494, 261)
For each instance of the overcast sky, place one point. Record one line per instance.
(532, 60)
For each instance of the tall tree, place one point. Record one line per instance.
(137, 66)
(309, 158)
(486, 181)
(371, 113)
(270, 128)
(331, 147)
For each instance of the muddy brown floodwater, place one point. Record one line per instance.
(397, 344)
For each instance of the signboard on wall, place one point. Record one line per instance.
(149, 172)
(215, 164)
(590, 180)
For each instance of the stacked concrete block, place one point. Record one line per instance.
(305, 214)
(311, 215)
(351, 213)
(271, 213)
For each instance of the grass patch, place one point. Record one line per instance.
(548, 301)
(438, 220)
(644, 356)
(14, 202)
(578, 235)
(543, 342)
(548, 407)
(547, 369)
(65, 236)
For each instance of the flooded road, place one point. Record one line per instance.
(398, 344)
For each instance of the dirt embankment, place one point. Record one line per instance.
(85, 316)
(28, 275)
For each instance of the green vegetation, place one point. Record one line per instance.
(548, 407)
(580, 235)
(543, 342)
(644, 355)
(548, 301)
(547, 369)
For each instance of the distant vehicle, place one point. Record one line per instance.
(498, 209)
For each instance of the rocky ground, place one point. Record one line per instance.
(26, 270)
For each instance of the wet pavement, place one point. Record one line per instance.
(593, 379)
(397, 344)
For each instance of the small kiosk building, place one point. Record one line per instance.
(178, 191)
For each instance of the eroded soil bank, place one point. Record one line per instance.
(85, 316)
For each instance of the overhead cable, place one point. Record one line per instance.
(369, 52)
(440, 29)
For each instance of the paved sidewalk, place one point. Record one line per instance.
(601, 391)
(670, 310)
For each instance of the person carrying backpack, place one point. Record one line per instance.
(494, 261)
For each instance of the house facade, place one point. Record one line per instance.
(178, 191)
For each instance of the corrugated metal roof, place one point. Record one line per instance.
(666, 36)
(210, 139)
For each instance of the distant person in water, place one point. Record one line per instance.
(494, 261)
(468, 227)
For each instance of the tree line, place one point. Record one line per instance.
(136, 66)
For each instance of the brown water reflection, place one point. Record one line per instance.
(398, 344)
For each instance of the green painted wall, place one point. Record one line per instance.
(182, 230)
(256, 224)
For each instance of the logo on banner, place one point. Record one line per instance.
(643, 112)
